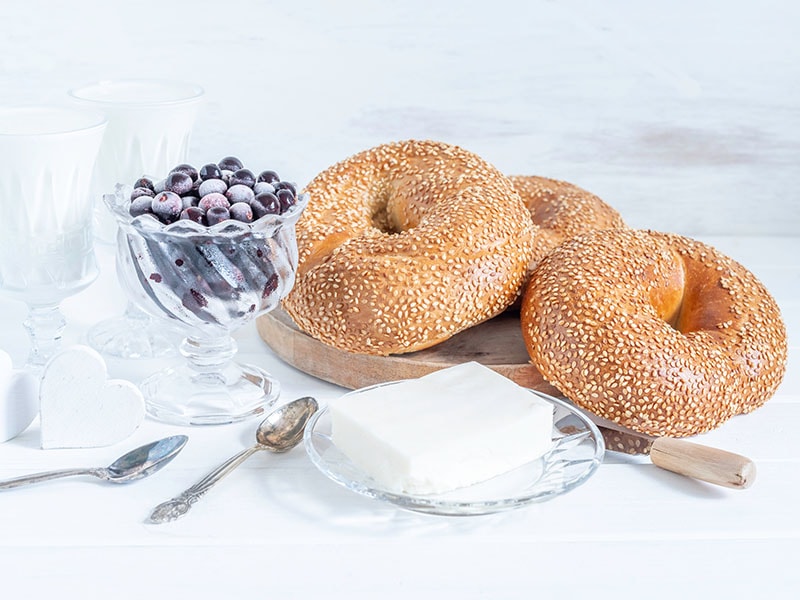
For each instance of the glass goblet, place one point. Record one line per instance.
(211, 281)
(46, 246)
(150, 123)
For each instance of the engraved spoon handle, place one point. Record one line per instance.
(179, 505)
(8, 484)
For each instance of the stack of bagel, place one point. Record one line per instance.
(406, 244)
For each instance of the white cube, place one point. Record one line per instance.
(449, 429)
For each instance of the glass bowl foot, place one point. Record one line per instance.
(185, 396)
(131, 338)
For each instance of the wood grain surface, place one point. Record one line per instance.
(497, 343)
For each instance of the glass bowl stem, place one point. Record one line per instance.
(209, 356)
(45, 325)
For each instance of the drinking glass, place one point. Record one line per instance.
(149, 129)
(46, 245)
(211, 281)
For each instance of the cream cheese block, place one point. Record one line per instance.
(449, 429)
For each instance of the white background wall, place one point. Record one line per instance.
(685, 115)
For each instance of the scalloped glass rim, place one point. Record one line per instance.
(118, 203)
(577, 452)
(168, 92)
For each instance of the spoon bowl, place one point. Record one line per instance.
(283, 428)
(145, 460)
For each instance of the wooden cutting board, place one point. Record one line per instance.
(497, 343)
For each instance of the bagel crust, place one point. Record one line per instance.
(406, 244)
(562, 210)
(656, 332)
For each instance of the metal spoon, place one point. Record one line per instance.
(136, 464)
(280, 431)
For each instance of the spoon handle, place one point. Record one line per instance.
(179, 505)
(8, 484)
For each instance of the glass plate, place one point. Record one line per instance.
(576, 453)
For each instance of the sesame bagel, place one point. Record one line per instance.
(561, 211)
(406, 244)
(654, 331)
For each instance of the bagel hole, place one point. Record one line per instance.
(706, 301)
(668, 288)
(382, 221)
(384, 215)
(675, 320)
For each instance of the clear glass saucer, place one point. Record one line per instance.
(576, 453)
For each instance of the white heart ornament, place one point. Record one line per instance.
(80, 407)
(19, 400)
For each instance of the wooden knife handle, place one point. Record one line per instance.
(704, 463)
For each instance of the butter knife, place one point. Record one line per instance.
(705, 463)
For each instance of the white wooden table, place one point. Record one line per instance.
(278, 518)
(684, 116)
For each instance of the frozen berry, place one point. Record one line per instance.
(141, 206)
(266, 203)
(194, 213)
(178, 182)
(286, 198)
(194, 300)
(268, 176)
(230, 163)
(262, 186)
(217, 214)
(210, 186)
(210, 171)
(239, 193)
(186, 170)
(213, 200)
(243, 177)
(167, 206)
(241, 211)
(271, 286)
(286, 185)
(190, 201)
(141, 191)
(144, 182)
(159, 186)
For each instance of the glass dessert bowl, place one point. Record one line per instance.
(211, 280)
